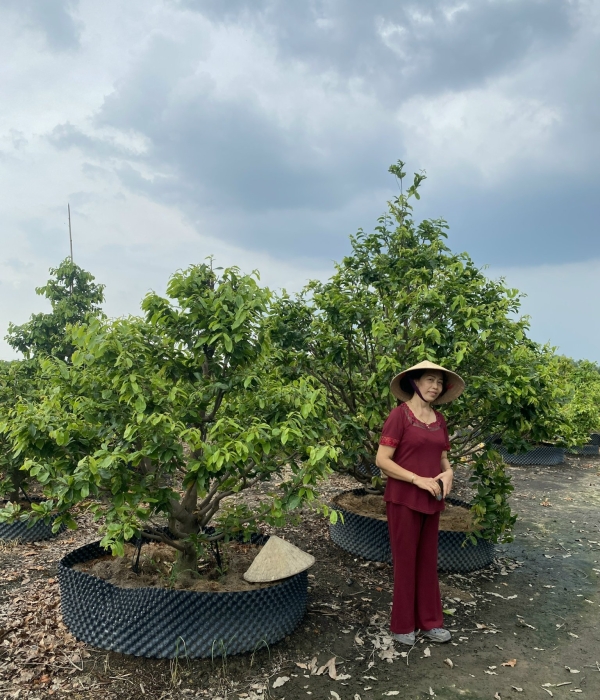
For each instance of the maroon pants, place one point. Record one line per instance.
(414, 539)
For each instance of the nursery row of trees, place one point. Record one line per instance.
(222, 385)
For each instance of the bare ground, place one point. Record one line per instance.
(537, 610)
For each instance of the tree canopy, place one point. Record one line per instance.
(171, 415)
(400, 297)
(74, 296)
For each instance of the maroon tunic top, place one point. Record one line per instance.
(419, 448)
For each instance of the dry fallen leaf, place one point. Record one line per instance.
(512, 663)
(572, 670)
(448, 662)
(334, 695)
(497, 696)
(519, 690)
(427, 651)
(392, 692)
(343, 677)
(330, 667)
(278, 682)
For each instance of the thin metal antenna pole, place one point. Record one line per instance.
(70, 236)
(70, 245)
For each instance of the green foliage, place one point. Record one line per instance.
(15, 384)
(173, 414)
(401, 297)
(74, 297)
(581, 399)
(490, 508)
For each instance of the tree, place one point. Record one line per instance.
(401, 297)
(16, 384)
(172, 414)
(74, 297)
(581, 399)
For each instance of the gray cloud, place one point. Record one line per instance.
(288, 186)
(403, 48)
(66, 136)
(229, 155)
(54, 18)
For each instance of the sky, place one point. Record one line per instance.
(261, 131)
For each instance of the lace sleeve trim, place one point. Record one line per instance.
(389, 441)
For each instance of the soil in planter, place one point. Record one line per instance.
(156, 564)
(453, 518)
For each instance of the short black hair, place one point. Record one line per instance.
(414, 374)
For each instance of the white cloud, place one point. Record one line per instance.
(488, 130)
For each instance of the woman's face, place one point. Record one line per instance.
(431, 384)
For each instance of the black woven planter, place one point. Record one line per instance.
(24, 532)
(590, 450)
(545, 455)
(165, 623)
(369, 538)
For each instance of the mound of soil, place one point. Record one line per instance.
(453, 518)
(156, 567)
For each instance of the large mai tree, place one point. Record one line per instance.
(161, 420)
(400, 297)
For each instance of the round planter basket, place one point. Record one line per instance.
(24, 532)
(545, 455)
(166, 623)
(369, 538)
(590, 450)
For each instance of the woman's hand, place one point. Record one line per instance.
(427, 484)
(447, 478)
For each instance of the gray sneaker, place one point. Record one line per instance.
(405, 638)
(437, 634)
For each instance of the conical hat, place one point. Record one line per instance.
(455, 384)
(276, 560)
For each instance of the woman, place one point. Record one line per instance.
(413, 455)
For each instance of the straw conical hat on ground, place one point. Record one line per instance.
(454, 387)
(276, 560)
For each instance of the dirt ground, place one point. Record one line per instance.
(528, 627)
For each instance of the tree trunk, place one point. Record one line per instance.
(183, 522)
(186, 565)
(17, 477)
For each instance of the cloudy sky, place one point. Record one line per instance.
(260, 131)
